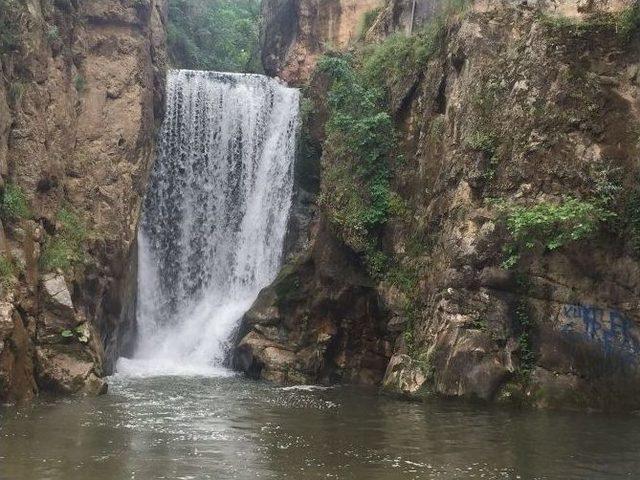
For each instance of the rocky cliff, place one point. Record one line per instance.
(296, 32)
(506, 266)
(80, 97)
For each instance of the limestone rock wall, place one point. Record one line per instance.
(295, 33)
(556, 92)
(81, 95)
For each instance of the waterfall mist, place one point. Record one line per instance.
(214, 217)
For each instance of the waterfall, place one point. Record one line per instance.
(214, 217)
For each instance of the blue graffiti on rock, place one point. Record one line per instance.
(609, 328)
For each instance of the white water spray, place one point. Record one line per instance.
(214, 217)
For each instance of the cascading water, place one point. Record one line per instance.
(214, 217)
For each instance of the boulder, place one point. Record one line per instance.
(404, 376)
(67, 373)
(57, 296)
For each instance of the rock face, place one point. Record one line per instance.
(81, 98)
(296, 32)
(321, 321)
(554, 90)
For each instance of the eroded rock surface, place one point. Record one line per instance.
(81, 96)
(297, 32)
(555, 92)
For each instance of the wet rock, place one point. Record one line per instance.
(264, 311)
(67, 373)
(405, 376)
(17, 381)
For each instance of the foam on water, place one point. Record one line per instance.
(214, 217)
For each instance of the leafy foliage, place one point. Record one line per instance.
(14, 203)
(214, 34)
(486, 143)
(483, 142)
(361, 136)
(524, 328)
(65, 250)
(399, 58)
(81, 333)
(551, 225)
(628, 23)
(360, 140)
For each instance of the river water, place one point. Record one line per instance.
(228, 427)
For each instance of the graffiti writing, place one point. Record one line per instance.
(611, 329)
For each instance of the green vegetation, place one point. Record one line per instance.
(65, 249)
(309, 150)
(524, 331)
(367, 21)
(7, 271)
(217, 35)
(628, 23)
(14, 204)
(399, 58)
(488, 145)
(527, 355)
(625, 24)
(437, 128)
(81, 333)
(551, 225)
(360, 141)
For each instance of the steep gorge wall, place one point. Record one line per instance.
(296, 32)
(80, 97)
(530, 104)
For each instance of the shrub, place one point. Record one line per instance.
(437, 128)
(551, 225)
(361, 136)
(483, 142)
(14, 203)
(487, 144)
(628, 23)
(65, 250)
